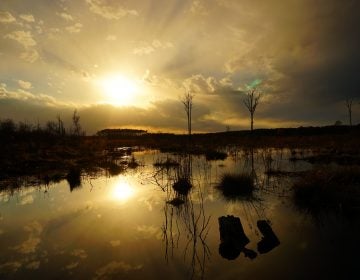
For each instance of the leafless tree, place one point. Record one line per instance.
(251, 101)
(348, 103)
(187, 100)
(61, 128)
(76, 130)
(51, 127)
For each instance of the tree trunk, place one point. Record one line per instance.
(252, 122)
(350, 117)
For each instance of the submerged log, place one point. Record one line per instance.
(269, 240)
(233, 238)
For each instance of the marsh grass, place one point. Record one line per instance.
(237, 186)
(334, 189)
(167, 163)
(182, 186)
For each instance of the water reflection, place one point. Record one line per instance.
(122, 191)
(74, 178)
(186, 225)
(137, 225)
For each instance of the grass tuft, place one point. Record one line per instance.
(237, 186)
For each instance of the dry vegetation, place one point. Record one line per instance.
(330, 189)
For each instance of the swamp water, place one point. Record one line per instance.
(134, 225)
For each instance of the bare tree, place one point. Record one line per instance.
(187, 100)
(76, 124)
(251, 101)
(60, 128)
(51, 127)
(348, 103)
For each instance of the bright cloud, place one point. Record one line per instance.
(66, 16)
(109, 9)
(6, 17)
(24, 84)
(24, 38)
(27, 17)
(76, 28)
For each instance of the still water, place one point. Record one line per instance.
(124, 226)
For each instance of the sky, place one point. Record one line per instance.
(128, 63)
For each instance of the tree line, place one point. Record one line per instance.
(53, 127)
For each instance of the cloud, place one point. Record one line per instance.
(311, 53)
(72, 265)
(24, 84)
(65, 16)
(27, 17)
(6, 17)
(22, 37)
(109, 9)
(79, 253)
(115, 243)
(145, 50)
(198, 8)
(33, 265)
(23, 95)
(30, 245)
(149, 231)
(30, 55)
(25, 39)
(113, 268)
(76, 28)
(29, 199)
(158, 81)
(12, 266)
(111, 38)
(34, 227)
(148, 48)
(199, 84)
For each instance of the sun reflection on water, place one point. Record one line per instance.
(122, 191)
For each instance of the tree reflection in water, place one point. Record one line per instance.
(185, 220)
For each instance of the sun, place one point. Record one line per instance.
(119, 89)
(122, 191)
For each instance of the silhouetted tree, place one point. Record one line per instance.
(76, 130)
(251, 101)
(51, 127)
(348, 103)
(338, 123)
(187, 100)
(24, 127)
(7, 126)
(60, 127)
(38, 127)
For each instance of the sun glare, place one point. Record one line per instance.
(119, 90)
(122, 191)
